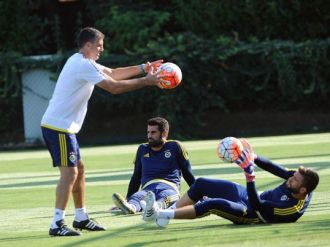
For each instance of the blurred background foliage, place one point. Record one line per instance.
(236, 56)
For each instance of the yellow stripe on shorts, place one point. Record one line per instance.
(63, 150)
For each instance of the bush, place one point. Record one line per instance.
(231, 76)
(235, 56)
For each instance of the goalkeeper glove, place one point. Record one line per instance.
(245, 161)
(246, 145)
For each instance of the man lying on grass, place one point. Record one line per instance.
(243, 205)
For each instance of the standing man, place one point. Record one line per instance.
(285, 203)
(158, 167)
(65, 115)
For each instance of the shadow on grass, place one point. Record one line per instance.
(200, 172)
(15, 238)
(189, 232)
(150, 230)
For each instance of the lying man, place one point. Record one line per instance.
(243, 205)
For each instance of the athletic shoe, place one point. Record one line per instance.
(151, 207)
(121, 203)
(143, 205)
(62, 230)
(88, 224)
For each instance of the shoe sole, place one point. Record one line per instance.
(88, 229)
(119, 203)
(148, 214)
(59, 235)
(54, 236)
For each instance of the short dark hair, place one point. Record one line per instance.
(162, 123)
(310, 178)
(89, 34)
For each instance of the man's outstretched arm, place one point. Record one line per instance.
(273, 168)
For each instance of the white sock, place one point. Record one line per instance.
(173, 206)
(59, 214)
(80, 214)
(166, 214)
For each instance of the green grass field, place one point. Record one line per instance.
(27, 192)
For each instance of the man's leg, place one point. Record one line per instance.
(235, 212)
(185, 200)
(136, 199)
(132, 204)
(216, 188)
(78, 191)
(68, 176)
(213, 188)
(82, 221)
(59, 146)
(222, 198)
(166, 197)
(186, 212)
(64, 187)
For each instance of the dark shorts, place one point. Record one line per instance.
(63, 147)
(224, 198)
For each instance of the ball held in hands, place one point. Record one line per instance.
(171, 75)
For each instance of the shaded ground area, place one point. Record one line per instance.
(264, 123)
(215, 125)
(132, 128)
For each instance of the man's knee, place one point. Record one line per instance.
(69, 174)
(201, 183)
(81, 168)
(196, 189)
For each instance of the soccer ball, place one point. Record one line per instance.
(229, 149)
(173, 75)
(162, 222)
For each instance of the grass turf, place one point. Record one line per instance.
(27, 192)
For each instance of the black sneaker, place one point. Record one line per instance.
(62, 230)
(88, 224)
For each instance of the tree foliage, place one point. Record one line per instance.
(235, 55)
(20, 30)
(296, 20)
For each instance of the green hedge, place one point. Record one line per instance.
(226, 75)
(230, 76)
(235, 55)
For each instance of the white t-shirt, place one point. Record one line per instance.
(68, 106)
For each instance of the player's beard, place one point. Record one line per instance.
(156, 143)
(295, 190)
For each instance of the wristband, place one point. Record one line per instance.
(142, 66)
(250, 177)
(249, 169)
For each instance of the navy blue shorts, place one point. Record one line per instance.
(224, 198)
(63, 147)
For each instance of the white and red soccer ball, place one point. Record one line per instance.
(173, 75)
(229, 149)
